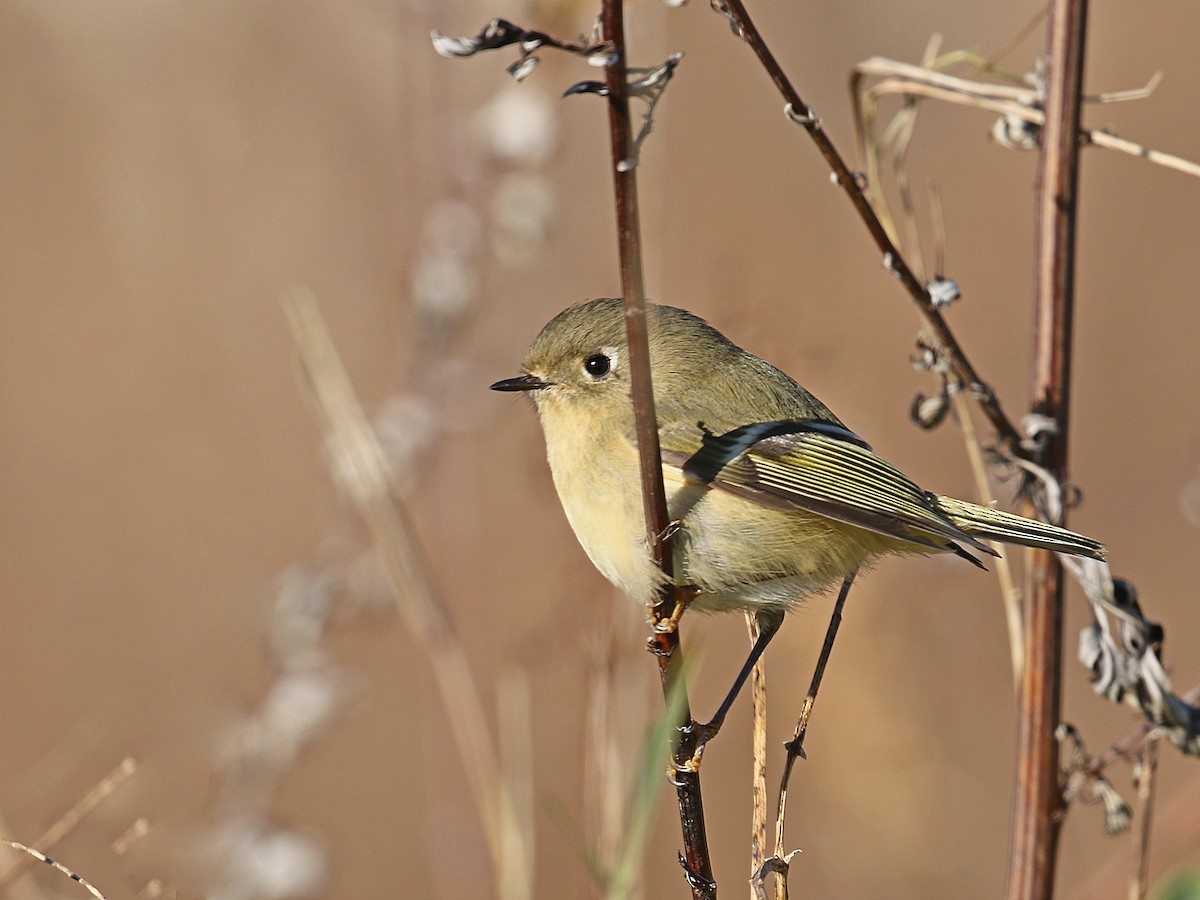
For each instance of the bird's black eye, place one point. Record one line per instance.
(597, 365)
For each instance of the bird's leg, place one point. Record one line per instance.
(768, 621)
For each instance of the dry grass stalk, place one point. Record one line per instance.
(361, 470)
(901, 130)
(1009, 592)
(777, 864)
(758, 777)
(1145, 775)
(514, 716)
(1013, 104)
(34, 854)
(49, 839)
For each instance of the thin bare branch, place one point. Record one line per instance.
(802, 114)
(665, 642)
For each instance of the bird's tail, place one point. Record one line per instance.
(997, 525)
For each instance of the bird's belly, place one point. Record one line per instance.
(744, 555)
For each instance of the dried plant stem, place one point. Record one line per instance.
(515, 717)
(35, 853)
(778, 863)
(1039, 802)
(603, 783)
(917, 81)
(67, 823)
(1176, 828)
(1009, 591)
(902, 130)
(1132, 742)
(758, 780)
(20, 889)
(801, 113)
(360, 466)
(1147, 776)
(695, 855)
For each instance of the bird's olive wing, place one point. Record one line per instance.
(815, 466)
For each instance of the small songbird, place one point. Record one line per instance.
(771, 497)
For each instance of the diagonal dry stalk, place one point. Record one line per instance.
(1010, 594)
(1039, 801)
(360, 466)
(35, 854)
(802, 114)
(69, 820)
(695, 857)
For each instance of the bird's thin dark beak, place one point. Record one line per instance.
(521, 383)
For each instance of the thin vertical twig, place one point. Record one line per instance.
(758, 780)
(695, 857)
(778, 863)
(1147, 776)
(1039, 803)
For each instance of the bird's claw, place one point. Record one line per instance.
(673, 528)
(669, 625)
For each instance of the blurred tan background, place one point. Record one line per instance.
(171, 171)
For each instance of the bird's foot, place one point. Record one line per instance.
(703, 734)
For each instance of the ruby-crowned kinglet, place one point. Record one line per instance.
(773, 497)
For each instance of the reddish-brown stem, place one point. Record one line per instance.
(691, 807)
(1039, 804)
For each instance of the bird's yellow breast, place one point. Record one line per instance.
(597, 476)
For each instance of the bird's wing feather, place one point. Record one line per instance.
(996, 524)
(819, 467)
